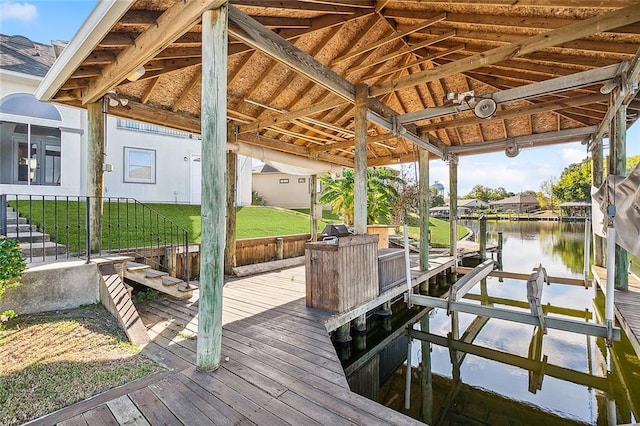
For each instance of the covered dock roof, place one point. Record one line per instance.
(451, 76)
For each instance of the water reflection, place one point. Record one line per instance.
(474, 370)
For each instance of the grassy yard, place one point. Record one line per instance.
(54, 359)
(127, 225)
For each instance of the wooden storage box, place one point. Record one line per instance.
(342, 274)
(391, 268)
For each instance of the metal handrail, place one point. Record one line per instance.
(128, 227)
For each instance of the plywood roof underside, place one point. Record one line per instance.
(346, 36)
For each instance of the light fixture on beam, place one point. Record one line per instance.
(136, 74)
(512, 150)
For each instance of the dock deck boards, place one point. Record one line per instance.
(626, 304)
(279, 367)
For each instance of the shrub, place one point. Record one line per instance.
(257, 199)
(12, 266)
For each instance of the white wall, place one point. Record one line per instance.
(293, 195)
(172, 183)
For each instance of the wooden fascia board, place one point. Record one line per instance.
(172, 24)
(554, 85)
(251, 32)
(539, 139)
(293, 149)
(587, 27)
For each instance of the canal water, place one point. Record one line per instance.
(474, 370)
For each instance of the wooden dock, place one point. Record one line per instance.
(626, 305)
(279, 367)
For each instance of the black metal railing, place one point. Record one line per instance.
(59, 227)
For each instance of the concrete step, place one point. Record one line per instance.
(26, 237)
(46, 248)
(13, 221)
(23, 227)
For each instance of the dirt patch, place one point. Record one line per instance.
(52, 360)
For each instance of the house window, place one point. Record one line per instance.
(301, 180)
(139, 165)
(284, 181)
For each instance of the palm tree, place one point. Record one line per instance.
(338, 192)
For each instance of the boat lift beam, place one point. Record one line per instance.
(573, 326)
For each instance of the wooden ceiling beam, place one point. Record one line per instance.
(327, 7)
(516, 112)
(149, 90)
(539, 139)
(614, 48)
(502, 21)
(600, 4)
(390, 38)
(419, 61)
(555, 85)
(100, 58)
(273, 22)
(288, 116)
(401, 52)
(184, 95)
(172, 24)
(135, 17)
(524, 47)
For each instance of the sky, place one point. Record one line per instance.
(43, 21)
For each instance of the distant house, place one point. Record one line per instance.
(465, 206)
(280, 189)
(518, 203)
(43, 146)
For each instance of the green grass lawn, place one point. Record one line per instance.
(127, 225)
(439, 232)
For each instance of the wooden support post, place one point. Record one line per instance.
(214, 138)
(423, 188)
(426, 381)
(360, 178)
(483, 237)
(500, 245)
(618, 160)
(453, 205)
(385, 309)
(313, 187)
(360, 323)
(279, 248)
(343, 333)
(95, 173)
(597, 177)
(230, 240)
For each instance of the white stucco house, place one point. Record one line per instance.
(43, 147)
(279, 189)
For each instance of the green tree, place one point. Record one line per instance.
(545, 196)
(632, 161)
(574, 183)
(436, 199)
(487, 194)
(381, 194)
